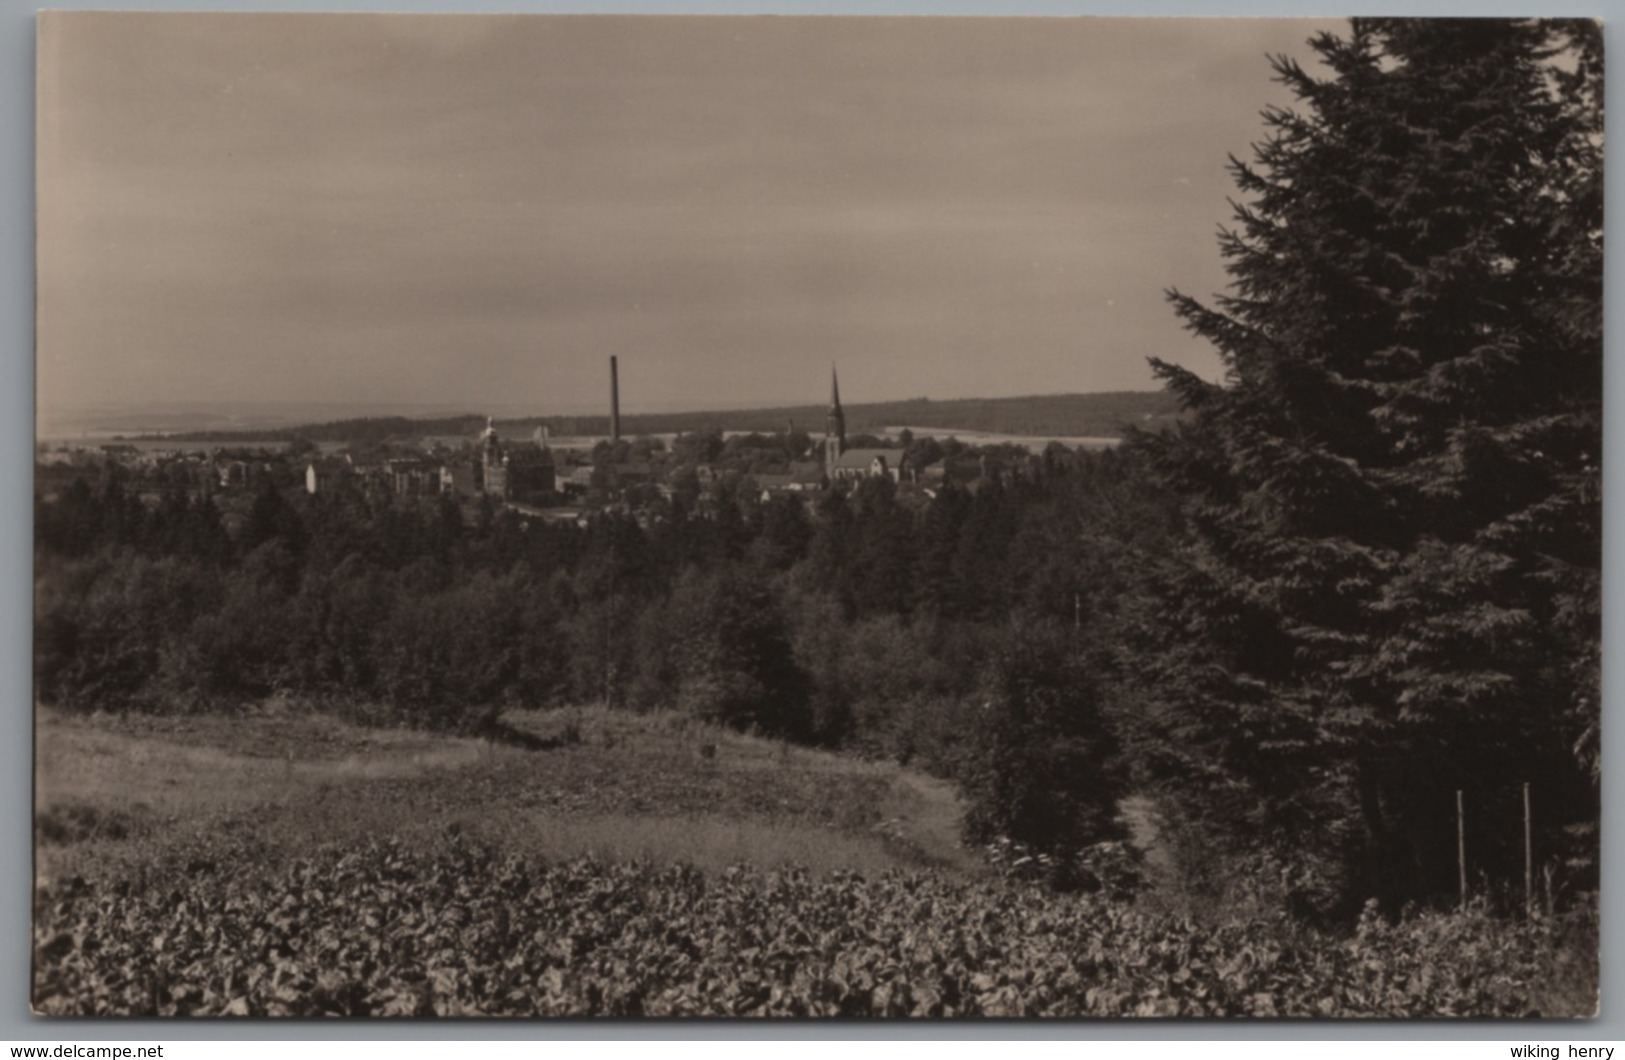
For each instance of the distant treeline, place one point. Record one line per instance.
(1057, 415)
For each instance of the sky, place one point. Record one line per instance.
(476, 212)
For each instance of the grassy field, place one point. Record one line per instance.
(118, 796)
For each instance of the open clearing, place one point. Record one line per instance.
(118, 794)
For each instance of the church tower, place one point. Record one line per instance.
(834, 426)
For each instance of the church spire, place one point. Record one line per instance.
(834, 425)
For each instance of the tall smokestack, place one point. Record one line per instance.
(614, 401)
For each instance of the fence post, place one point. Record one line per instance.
(1461, 849)
(1528, 859)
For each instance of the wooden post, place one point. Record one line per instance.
(609, 618)
(1461, 849)
(1528, 859)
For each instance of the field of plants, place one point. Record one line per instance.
(457, 928)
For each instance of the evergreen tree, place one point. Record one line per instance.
(1042, 770)
(981, 583)
(934, 550)
(882, 552)
(271, 516)
(1394, 521)
(782, 533)
(731, 653)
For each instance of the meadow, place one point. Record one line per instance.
(123, 794)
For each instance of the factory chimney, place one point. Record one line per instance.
(614, 401)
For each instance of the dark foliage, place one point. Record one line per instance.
(1391, 571)
(1044, 767)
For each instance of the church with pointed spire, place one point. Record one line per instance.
(834, 427)
(842, 463)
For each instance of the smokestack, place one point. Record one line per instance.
(614, 401)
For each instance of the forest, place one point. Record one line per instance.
(1358, 575)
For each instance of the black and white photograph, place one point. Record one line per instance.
(817, 517)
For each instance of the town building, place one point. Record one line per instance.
(412, 476)
(516, 473)
(802, 477)
(232, 474)
(460, 478)
(869, 463)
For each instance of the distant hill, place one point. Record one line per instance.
(1056, 415)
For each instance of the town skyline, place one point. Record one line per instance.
(473, 212)
(975, 416)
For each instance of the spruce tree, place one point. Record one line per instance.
(1391, 497)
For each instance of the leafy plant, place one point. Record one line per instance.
(458, 930)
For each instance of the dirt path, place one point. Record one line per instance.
(1140, 814)
(924, 814)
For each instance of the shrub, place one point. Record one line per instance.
(1043, 769)
(732, 655)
